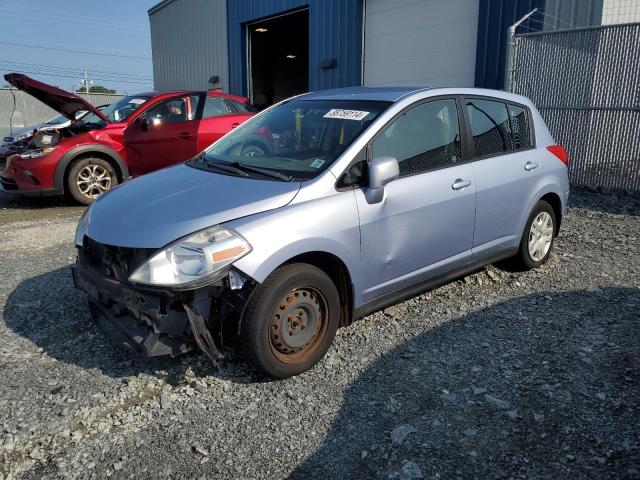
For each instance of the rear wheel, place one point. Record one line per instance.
(538, 237)
(90, 177)
(290, 321)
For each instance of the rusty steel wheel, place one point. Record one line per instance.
(297, 323)
(290, 320)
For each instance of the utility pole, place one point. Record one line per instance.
(85, 80)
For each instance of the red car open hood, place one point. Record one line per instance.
(64, 102)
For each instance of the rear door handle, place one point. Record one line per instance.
(234, 125)
(186, 135)
(459, 184)
(530, 166)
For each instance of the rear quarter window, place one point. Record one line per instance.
(520, 125)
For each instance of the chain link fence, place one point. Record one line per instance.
(586, 84)
(29, 111)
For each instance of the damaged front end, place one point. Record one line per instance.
(158, 320)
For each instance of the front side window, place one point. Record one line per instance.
(424, 138)
(298, 139)
(171, 111)
(520, 127)
(490, 126)
(215, 107)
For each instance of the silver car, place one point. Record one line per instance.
(316, 212)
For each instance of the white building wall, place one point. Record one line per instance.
(620, 11)
(423, 42)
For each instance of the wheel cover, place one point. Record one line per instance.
(298, 323)
(93, 180)
(253, 151)
(540, 236)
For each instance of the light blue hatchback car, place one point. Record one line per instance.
(318, 211)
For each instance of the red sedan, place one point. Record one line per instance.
(134, 136)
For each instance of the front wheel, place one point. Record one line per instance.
(538, 237)
(90, 177)
(290, 321)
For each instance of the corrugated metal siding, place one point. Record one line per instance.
(429, 43)
(335, 31)
(29, 110)
(495, 17)
(561, 14)
(189, 44)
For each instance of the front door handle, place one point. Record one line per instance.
(459, 184)
(186, 135)
(234, 125)
(530, 166)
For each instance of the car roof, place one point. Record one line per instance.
(209, 93)
(394, 94)
(388, 94)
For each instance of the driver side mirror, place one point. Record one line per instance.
(382, 170)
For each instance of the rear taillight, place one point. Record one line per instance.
(560, 152)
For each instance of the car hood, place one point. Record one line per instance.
(63, 102)
(156, 209)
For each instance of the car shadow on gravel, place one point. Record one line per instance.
(541, 386)
(34, 203)
(50, 312)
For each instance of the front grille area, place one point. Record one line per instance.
(117, 263)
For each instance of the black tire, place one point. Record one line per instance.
(291, 288)
(523, 259)
(254, 149)
(86, 193)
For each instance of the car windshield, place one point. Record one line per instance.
(297, 139)
(57, 120)
(60, 119)
(117, 112)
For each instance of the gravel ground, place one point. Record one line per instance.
(498, 375)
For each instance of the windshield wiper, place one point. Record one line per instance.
(264, 171)
(242, 169)
(226, 168)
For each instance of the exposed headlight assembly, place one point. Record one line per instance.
(193, 261)
(40, 152)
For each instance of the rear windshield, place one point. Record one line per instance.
(299, 138)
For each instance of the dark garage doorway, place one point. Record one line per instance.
(278, 58)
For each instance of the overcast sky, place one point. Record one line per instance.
(75, 33)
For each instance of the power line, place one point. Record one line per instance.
(66, 18)
(74, 69)
(89, 52)
(47, 19)
(71, 15)
(61, 75)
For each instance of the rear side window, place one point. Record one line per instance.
(520, 127)
(215, 107)
(424, 138)
(490, 126)
(242, 107)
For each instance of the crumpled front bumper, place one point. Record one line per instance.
(157, 321)
(140, 321)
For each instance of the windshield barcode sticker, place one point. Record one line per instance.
(137, 101)
(356, 115)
